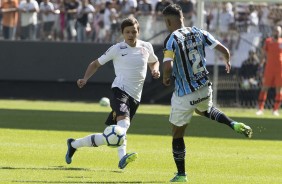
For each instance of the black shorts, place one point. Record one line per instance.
(122, 105)
(47, 26)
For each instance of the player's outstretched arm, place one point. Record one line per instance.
(155, 69)
(226, 54)
(91, 70)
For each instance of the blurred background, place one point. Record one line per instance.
(46, 45)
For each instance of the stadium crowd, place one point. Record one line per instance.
(98, 20)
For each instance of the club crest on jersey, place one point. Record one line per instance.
(123, 47)
(123, 107)
(142, 51)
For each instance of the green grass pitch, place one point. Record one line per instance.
(33, 145)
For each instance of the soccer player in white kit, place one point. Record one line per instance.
(130, 59)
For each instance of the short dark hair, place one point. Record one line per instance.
(130, 21)
(173, 9)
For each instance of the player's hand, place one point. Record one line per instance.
(81, 82)
(228, 66)
(166, 81)
(156, 74)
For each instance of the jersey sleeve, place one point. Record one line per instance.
(168, 49)
(35, 4)
(152, 56)
(21, 5)
(108, 55)
(209, 40)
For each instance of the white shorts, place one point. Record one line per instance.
(182, 108)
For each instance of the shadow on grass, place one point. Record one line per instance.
(61, 168)
(264, 129)
(120, 182)
(70, 177)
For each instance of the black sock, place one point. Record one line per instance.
(178, 150)
(219, 116)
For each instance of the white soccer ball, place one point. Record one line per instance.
(245, 84)
(114, 136)
(104, 102)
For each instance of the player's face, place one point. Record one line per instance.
(168, 24)
(130, 34)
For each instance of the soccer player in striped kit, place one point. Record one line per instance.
(184, 59)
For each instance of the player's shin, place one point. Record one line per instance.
(122, 149)
(217, 115)
(278, 99)
(89, 141)
(124, 123)
(262, 99)
(179, 152)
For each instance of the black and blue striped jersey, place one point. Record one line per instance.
(186, 47)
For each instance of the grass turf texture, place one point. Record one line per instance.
(33, 145)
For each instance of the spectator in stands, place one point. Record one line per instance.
(276, 14)
(145, 12)
(28, 19)
(71, 15)
(9, 19)
(84, 18)
(159, 26)
(107, 22)
(253, 20)
(59, 23)
(98, 26)
(47, 13)
(115, 26)
(241, 16)
(188, 10)
(249, 71)
(0, 17)
(226, 24)
(265, 22)
(128, 8)
(211, 16)
(272, 77)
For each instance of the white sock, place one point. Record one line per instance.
(125, 123)
(122, 150)
(89, 141)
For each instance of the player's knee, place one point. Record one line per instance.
(213, 113)
(124, 123)
(178, 132)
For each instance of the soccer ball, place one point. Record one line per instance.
(104, 102)
(114, 136)
(245, 84)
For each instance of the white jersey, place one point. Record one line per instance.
(28, 18)
(130, 64)
(50, 17)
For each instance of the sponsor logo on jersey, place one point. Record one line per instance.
(194, 102)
